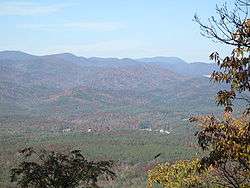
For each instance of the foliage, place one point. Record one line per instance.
(180, 174)
(59, 170)
(235, 71)
(226, 142)
(228, 145)
(231, 28)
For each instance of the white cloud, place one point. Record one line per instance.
(24, 8)
(84, 25)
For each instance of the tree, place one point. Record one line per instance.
(227, 143)
(180, 174)
(56, 170)
(226, 140)
(232, 28)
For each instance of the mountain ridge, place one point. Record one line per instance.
(75, 89)
(155, 59)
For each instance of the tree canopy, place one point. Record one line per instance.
(55, 170)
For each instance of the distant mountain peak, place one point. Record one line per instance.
(62, 55)
(12, 52)
(15, 55)
(162, 59)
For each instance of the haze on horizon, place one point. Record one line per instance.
(124, 29)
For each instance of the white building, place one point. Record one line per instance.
(66, 130)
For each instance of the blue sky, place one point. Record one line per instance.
(107, 28)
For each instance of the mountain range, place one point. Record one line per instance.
(72, 88)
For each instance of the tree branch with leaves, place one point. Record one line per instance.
(56, 170)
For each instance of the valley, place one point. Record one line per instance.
(103, 106)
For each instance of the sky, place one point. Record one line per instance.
(108, 28)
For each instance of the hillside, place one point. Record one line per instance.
(123, 92)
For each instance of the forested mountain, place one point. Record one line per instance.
(179, 66)
(71, 88)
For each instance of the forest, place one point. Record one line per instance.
(74, 121)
